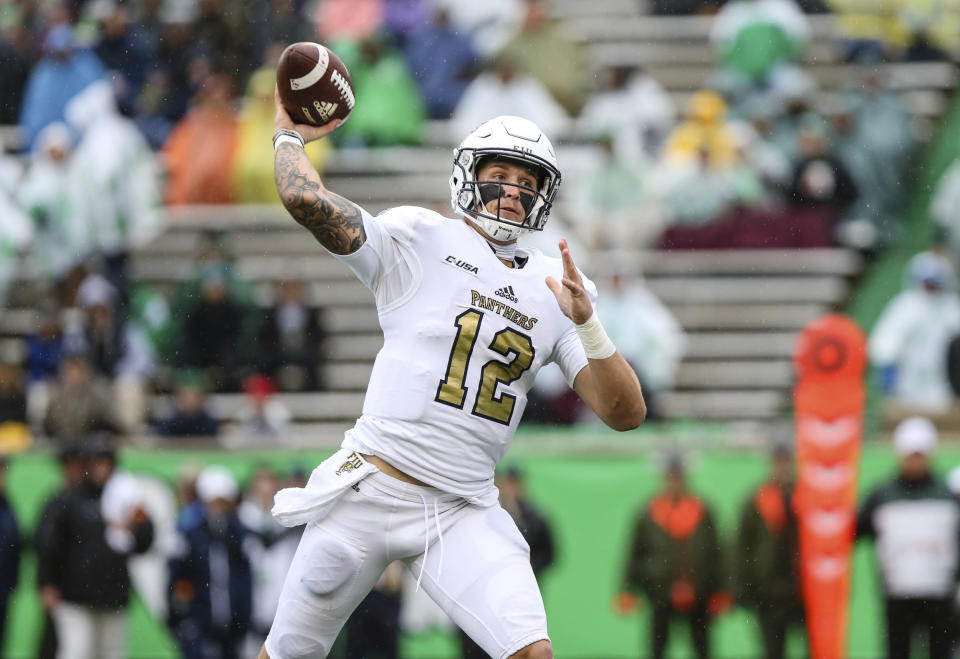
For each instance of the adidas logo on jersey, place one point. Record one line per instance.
(507, 292)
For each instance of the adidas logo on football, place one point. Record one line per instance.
(325, 109)
(507, 292)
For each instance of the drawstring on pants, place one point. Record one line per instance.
(436, 518)
(426, 539)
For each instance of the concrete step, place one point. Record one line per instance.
(347, 376)
(344, 407)
(740, 345)
(694, 317)
(700, 345)
(676, 77)
(735, 374)
(749, 404)
(749, 290)
(288, 239)
(280, 243)
(313, 406)
(318, 267)
(842, 262)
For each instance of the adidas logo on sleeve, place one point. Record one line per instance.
(507, 292)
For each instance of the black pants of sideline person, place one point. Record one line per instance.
(933, 617)
(373, 630)
(699, 621)
(776, 618)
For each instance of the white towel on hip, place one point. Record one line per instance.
(294, 506)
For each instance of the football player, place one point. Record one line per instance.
(468, 319)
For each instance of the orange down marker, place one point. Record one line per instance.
(829, 358)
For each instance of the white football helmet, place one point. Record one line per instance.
(511, 138)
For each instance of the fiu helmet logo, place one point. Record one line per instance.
(353, 462)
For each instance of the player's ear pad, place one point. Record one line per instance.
(491, 191)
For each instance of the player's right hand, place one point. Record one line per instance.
(281, 119)
(625, 603)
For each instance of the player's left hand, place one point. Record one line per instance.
(571, 296)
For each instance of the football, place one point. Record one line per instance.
(314, 84)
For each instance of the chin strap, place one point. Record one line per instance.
(506, 252)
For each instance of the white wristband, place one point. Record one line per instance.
(596, 343)
(286, 139)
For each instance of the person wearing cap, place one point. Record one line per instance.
(9, 549)
(118, 349)
(910, 342)
(768, 555)
(914, 522)
(210, 592)
(675, 560)
(82, 569)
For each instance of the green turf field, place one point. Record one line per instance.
(590, 501)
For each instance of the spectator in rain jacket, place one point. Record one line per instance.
(768, 556)
(675, 561)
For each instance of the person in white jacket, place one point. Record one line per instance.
(120, 179)
(909, 343)
(506, 89)
(16, 229)
(50, 194)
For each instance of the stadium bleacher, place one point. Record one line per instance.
(741, 310)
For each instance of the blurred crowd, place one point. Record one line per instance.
(776, 160)
(126, 107)
(207, 557)
(204, 554)
(95, 360)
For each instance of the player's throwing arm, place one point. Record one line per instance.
(334, 221)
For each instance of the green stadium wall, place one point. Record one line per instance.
(589, 497)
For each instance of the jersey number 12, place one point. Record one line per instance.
(516, 347)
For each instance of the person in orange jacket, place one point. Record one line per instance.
(768, 556)
(675, 561)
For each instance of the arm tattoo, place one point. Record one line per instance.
(335, 222)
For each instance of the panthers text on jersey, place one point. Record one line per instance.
(464, 336)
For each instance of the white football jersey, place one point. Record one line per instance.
(464, 336)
